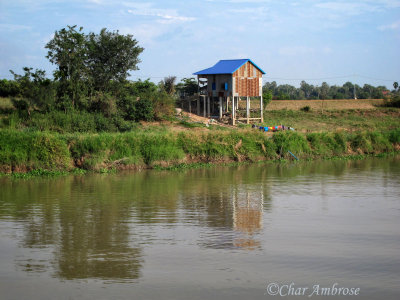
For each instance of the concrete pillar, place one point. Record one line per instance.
(220, 107)
(233, 111)
(204, 102)
(248, 109)
(208, 106)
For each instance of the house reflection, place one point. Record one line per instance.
(247, 219)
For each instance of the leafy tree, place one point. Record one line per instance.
(187, 87)
(90, 64)
(68, 51)
(9, 88)
(35, 91)
(168, 84)
(267, 97)
(110, 57)
(324, 90)
(395, 85)
(306, 88)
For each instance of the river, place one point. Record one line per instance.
(261, 231)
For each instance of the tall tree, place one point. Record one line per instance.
(90, 63)
(110, 57)
(67, 50)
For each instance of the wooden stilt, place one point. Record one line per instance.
(198, 106)
(262, 109)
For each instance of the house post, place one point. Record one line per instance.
(262, 109)
(220, 108)
(233, 110)
(204, 102)
(248, 109)
(208, 106)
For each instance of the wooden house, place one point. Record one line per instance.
(226, 84)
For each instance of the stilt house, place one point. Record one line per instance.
(226, 84)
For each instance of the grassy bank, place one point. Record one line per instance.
(24, 151)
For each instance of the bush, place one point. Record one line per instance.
(306, 108)
(144, 110)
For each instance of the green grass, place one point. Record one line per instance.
(35, 151)
(349, 120)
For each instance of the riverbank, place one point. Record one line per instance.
(27, 151)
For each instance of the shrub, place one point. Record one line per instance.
(144, 110)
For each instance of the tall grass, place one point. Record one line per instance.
(22, 151)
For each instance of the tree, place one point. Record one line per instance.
(168, 84)
(67, 49)
(35, 91)
(324, 90)
(395, 85)
(187, 87)
(306, 88)
(110, 57)
(90, 64)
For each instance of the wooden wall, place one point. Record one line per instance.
(247, 81)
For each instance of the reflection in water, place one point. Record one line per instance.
(92, 226)
(247, 219)
(113, 227)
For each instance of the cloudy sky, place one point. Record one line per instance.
(314, 40)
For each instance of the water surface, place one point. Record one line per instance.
(216, 233)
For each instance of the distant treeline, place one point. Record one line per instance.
(273, 91)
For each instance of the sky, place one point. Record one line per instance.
(311, 40)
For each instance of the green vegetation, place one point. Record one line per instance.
(379, 119)
(91, 117)
(44, 153)
(90, 91)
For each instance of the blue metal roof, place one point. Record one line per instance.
(227, 66)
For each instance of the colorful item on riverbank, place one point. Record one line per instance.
(273, 128)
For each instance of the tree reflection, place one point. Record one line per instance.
(95, 226)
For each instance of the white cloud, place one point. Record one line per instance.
(164, 15)
(393, 26)
(96, 1)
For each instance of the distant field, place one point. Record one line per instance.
(325, 104)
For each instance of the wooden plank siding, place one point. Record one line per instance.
(247, 81)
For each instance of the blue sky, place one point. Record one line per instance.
(314, 40)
